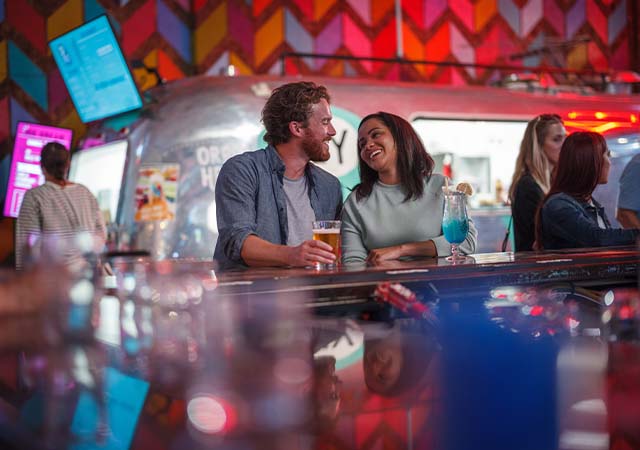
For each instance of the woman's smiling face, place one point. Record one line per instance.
(376, 146)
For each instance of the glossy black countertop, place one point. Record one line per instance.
(206, 346)
(584, 267)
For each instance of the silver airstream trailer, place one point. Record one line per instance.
(474, 133)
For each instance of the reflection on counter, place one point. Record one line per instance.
(173, 355)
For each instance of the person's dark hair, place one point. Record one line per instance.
(578, 170)
(288, 103)
(414, 163)
(55, 159)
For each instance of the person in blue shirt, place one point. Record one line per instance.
(569, 216)
(628, 211)
(266, 200)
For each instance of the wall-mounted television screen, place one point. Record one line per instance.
(95, 71)
(101, 170)
(25, 164)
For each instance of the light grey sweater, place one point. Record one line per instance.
(383, 220)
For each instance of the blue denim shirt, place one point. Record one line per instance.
(250, 200)
(570, 223)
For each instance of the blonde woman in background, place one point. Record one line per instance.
(539, 152)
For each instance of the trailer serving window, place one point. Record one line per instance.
(480, 152)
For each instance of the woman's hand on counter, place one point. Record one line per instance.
(418, 249)
(380, 255)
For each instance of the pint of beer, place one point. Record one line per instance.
(328, 231)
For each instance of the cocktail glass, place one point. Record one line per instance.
(455, 222)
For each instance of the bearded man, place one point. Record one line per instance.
(266, 200)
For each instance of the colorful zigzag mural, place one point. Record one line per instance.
(185, 37)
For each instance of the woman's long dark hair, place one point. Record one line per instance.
(414, 163)
(578, 170)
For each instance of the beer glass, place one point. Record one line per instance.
(328, 231)
(455, 222)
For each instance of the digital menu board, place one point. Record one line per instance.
(95, 71)
(25, 164)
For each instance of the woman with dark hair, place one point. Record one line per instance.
(58, 208)
(569, 216)
(396, 210)
(531, 180)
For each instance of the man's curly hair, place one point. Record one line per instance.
(290, 102)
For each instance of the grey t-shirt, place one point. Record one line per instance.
(299, 211)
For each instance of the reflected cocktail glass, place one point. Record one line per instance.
(328, 231)
(455, 222)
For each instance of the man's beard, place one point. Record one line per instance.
(314, 149)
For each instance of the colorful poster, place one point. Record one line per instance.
(156, 192)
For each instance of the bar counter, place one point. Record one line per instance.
(503, 351)
(354, 284)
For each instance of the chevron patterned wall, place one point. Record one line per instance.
(185, 37)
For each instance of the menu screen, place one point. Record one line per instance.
(25, 166)
(95, 71)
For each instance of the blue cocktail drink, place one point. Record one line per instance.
(455, 230)
(455, 223)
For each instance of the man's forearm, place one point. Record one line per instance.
(628, 218)
(257, 252)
